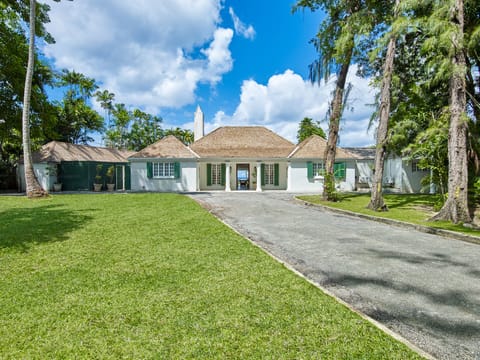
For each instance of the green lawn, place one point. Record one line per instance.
(412, 208)
(155, 276)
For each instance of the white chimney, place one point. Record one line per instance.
(198, 124)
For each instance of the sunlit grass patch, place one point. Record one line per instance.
(412, 208)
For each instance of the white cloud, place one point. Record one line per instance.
(151, 54)
(287, 98)
(247, 32)
(219, 57)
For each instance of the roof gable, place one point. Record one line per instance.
(243, 142)
(314, 147)
(167, 147)
(57, 151)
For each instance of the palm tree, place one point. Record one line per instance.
(105, 98)
(32, 185)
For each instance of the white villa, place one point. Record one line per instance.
(230, 158)
(235, 158)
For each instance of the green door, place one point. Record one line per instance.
(119, 179)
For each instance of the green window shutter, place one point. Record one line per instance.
(177, 170)
(276, 169)
(209, 174)
(309, 169)
(339, 170)
(149, 170)
(262, 168)
(224, 174)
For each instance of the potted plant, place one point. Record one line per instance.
(54, 170)
(110, 178)
(97, 185)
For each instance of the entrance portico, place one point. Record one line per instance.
(242, 175)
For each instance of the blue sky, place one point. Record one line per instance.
(244, 62)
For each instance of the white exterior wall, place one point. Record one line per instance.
(413, 179)
(186, 182)
(350, 172)
(397, 172)
(299, 181)
(41, 172)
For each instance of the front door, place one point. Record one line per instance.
(243, 176)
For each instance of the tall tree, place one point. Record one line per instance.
(455, 208)
(145, 130)
(33, 187)
(116, 134)
(76, 118)
(307, 128)
(346, 21)
(132, 129)
(184, 135)
(377, 202)
(13, 65)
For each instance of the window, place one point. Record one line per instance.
(315, 169)
(163, 170)
(269, 174)
(339, 170)
(216, 174)
(415, 166)
(318, 168)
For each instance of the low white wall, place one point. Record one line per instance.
(186, 182)
(41, 172)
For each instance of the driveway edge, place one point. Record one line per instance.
(425, 229)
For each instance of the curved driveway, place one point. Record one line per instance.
(423, 287)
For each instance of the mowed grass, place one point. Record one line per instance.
(155, 276)
(412, 208)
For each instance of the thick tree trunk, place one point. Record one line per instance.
(377, 202)
(455, 208)
(32, 186)
(334, 126)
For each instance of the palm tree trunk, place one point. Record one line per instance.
(32, 186)
(334, 126)
(377, 202)
(455, 208)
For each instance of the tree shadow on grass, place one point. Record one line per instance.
(20, 228)
(409, 200)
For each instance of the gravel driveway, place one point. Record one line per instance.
(424, 287)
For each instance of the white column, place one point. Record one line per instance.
(198, 176)
(259, 176)
(432, 185)
(289, 176)
(227, 177)
(123, 178)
